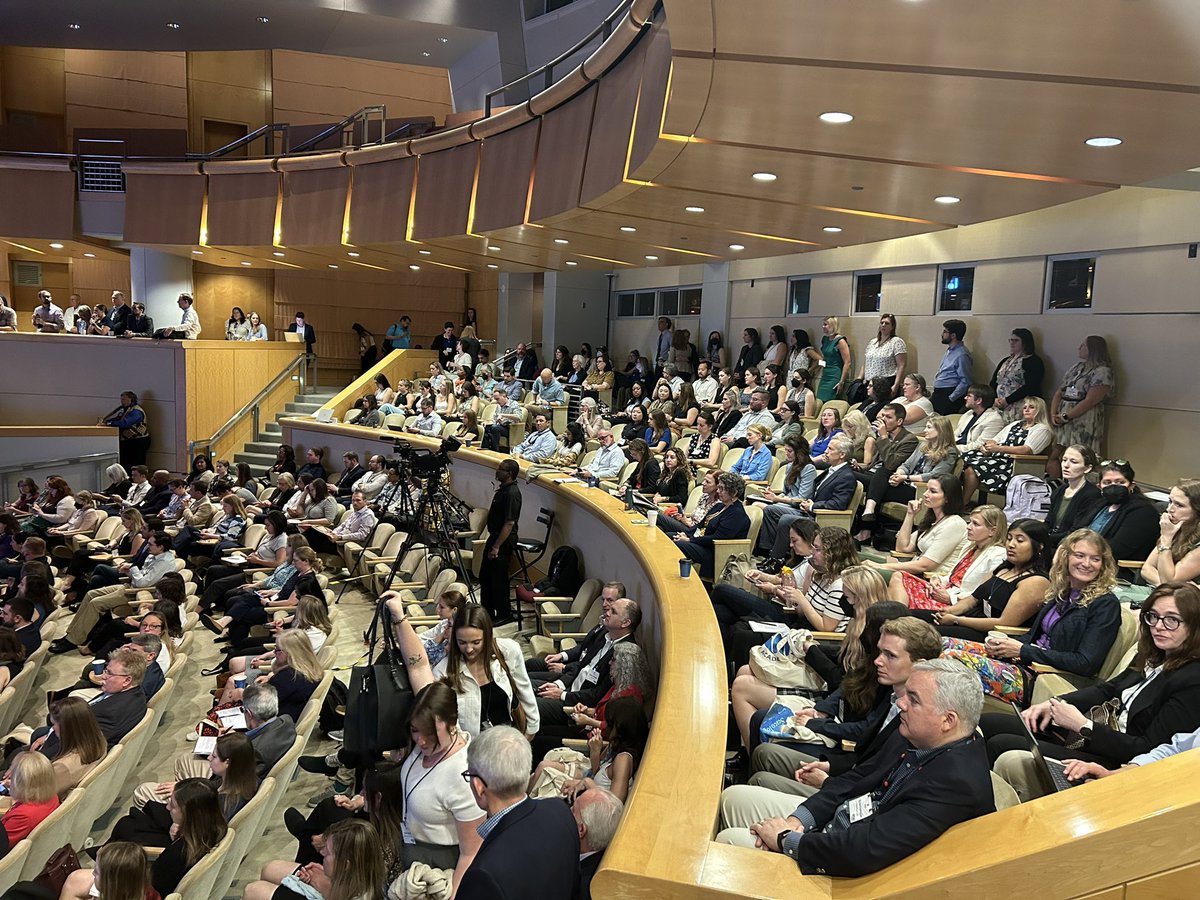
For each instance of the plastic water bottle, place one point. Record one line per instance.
(628, 497)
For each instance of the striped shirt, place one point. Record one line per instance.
(825, 597)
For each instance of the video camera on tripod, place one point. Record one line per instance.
(422, 462)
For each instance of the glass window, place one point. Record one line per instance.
(868, 292)
(668, 303)
(643, 303)
(624, 305)
(799, 290)
(689, 301)
(955, 289)
(1069, 283)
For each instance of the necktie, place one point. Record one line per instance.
(962, 435)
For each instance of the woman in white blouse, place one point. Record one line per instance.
(914, 397)
(933, 530)
(886, 355)
(258, 331)
(984, 551)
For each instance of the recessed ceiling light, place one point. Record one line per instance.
(414, 267)
(736, 247)
(425, 252)
(561, 241)
(832, 229)
(56, 246)
(764, 176)
(74, 26)
(353, 254)
(493, 247)
(197, 253)
(426, 53)
(278, 253)
(571, 262)
(493, 266)
(263, 20)
(174, 26)
(947, 200)
(651, 257)
(628, 229)
(246, 262)
(856, 187)
(694, 209)
(90, 255)
(1103, 142)
(443, 40)
(836, 118)
(333, 265)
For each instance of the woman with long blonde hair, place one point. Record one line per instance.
(936, 455)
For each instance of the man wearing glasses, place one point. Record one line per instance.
(530, 847)
(118, 707)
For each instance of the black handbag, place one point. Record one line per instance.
(856, 391)
(380, 698)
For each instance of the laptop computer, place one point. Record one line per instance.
(1050, 771)
(294, 337)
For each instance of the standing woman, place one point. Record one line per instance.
(258, 331)
(1073, 502)
(368, 353)
(777, 348)
(751, 354)
(991, 466)
(681, 354)
(237, 328)
(886, 355)
(714, 351)
(1020, 374)
(803, 355)
(1078, 405)
(1176, 556)
(835, 350)
(134, 436)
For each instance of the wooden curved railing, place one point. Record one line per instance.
(1123, 837)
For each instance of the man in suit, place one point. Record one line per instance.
(525, 366)
(271, 735)
(833, 489)
(530, 847)
(351, 472)
(17, 614)
(548, 667)
(301, 326)
(587, 678)
(118, 707)
(931, 774)
(727, 520)
(597, 814)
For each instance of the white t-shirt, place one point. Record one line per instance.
(917, 427)
(437, 798)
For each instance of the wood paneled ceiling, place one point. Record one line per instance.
(987, 103)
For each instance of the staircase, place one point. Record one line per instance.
(260, 453)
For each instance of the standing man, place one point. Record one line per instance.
(69, 314)
(662, 347)
(399, 335)
(445, 344)
(502, 520)
(953, 376)
(530, 847)
(300, 326)
(117, 320)
(47, 318)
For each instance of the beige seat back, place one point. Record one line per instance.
(99, 788)
(247, 824)
(199, 880)
(11, 866)
(53, 832)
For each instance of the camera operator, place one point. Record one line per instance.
(503, 516)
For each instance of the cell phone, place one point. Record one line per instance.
(3, 790)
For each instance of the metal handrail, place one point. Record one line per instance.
(604, 28)
(362, 115)
(392, 135)
(253, 406)
(266, 131)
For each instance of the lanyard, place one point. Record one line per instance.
(428, 772)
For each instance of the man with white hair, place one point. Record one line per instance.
(530, 847)
(932, 774)
(597, 814)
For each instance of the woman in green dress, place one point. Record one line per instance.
(835, 350)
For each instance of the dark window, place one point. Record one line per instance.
(1070, 283)
(689, 301)
(670, 303)
(799, 290)
(643, 303)
(624, 305)
(956, 287)
(868, 290)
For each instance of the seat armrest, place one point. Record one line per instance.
(1014, 630)
(1043, 669)
(828, 636)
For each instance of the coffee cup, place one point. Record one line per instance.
(239, 681)
(98, 666)
(995, 637)
(685, 568)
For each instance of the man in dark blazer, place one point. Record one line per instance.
(350, 474)
(929, 776)
(118, 707)
(530, 847)
(833, 489)
(18, 614)
(597, 814)
(525, 364)
(301, 327)
(726, 520)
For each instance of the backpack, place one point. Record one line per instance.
(565, 575)
(1028, 497)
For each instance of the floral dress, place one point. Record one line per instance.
(995, 470)
(1088, 429)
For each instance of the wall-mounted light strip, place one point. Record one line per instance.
(277, 230)
(346, 210)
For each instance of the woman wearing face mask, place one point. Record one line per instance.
(1176, 556)
(1124, 518)
(1156, 697)
(1073, 501)
(1073, 631)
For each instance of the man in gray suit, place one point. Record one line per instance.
(270, 734)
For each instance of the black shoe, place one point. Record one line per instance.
(296, 824)
(209, 623)
(218, 669)
(318, 766)
(62, 645)
(868, 518)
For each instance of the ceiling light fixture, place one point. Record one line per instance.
(263, 20)
(174, 26)
(694, 209)
(832, 229)
(56, 246)
(278, 253)
(561, 241)
(353, 254)
(651, 257)
(443, 40)
(333, 265)
(90, 255)
(836, 118)
(246, 262)
(764, 176)
(425, 252)
(426, 53)
(736, 247)
(947, 200)
(571, 262)
(628, 229)
(414, 267)
(1104, 142)
(74, 26)
(493, 266)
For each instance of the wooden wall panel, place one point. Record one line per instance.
(37, 202)
(243, 432)
(241, 208)
(163, 209)
(483, 293)
(94, 280)
(445, 180)
(218, 290)
(33, 80)
(56, 278)
(125, 89)
(314, 206)
(312, 88)
(505, 169)
(240, 369)
(562, 152)
(381, 196)
(655, 74)
(612, 122)
(228, 86)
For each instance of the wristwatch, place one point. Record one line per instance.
(1085, 731)
(780, 837)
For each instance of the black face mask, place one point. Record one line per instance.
(1115, 493)
(846, 607)
(796, 382)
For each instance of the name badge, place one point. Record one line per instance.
(860, 808)
(406, 835)
(591, 676)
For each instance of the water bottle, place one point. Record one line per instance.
(628, 497)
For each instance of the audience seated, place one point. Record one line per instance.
(1124, 517)
(832, 489)
(352, 866)
(726, 520)
(933, 530)
(991, 466)
(32, 789)
(597, 814)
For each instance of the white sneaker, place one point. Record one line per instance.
(339, 736)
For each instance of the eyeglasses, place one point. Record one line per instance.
(1114, 462)
(108, 671)
(1151, 618)
(468, 775)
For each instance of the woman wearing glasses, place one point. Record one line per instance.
(1106, 725)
